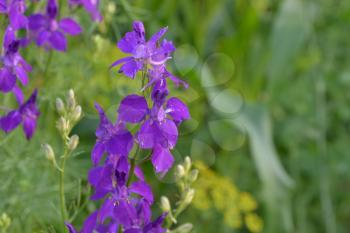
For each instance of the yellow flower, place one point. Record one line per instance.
(247, 202)
(253, 223)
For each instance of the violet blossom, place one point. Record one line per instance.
(14, 66)
(26, 114)
(15, 10)
(145, 53)
(91, 6)
(127, 203)
(50, 32)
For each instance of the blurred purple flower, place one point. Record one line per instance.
(91, 6)
(15, 10)
(49, 32)
(14, 66)
(27, 114)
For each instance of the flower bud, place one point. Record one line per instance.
(62, 125)
(50, 155)
(71, 100)
(76, 113)
(60, 106)
(73, 142)
(180, 171)
(184, 228)
(187, 163)
(193, 175)
(5, 222)
(165, 204)
(189, 196)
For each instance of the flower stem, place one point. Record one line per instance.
(132, 166)
(64, 213)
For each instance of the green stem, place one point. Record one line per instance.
(132, 166)
(48, 62)
(64, 213)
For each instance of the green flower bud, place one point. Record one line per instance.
(62, 125)
(184, 228)
(5, 222)
(76, 113)
(71, 100)
(187, 164)
(165, 204)
(60, 106)
(73, 142)
(180, 171)
(50, 155)
(193, 175)
(189, 196)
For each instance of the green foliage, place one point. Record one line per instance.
(269, 102)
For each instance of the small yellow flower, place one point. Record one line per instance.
(247, 202)
(253, 223)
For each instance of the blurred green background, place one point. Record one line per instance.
(269, 98)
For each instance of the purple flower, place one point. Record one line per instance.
(27, 114)
(146, 52)
(91, 6)
(49, 32)
(14, 66)
(112, 138)
(15, 10)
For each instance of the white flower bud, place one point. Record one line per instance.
(193, 175)
(187, 164)
(189, 196)
(60, 106)
(76, 113)
(50, 155)
(73, 142)
(62, 125)
(165, 204)
(71, 100)
(180, 171)
(184, 228)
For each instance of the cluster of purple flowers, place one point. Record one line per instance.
(47, 31)
(127, 205)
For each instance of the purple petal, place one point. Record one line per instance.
(17, 19)
(156, 37)
(128, 43)
(139, 173)
(18, 94)
(97, 153)
(105, 123)
(29, 126)
(70, 26)
(22, 75)
(51, 9)
(58, 41)
(176, 80)
(10, 121)
(106, 210)
(177, 110)
(7, 80)
(133, 109)
(43, 37)
(70, 228)
(92, 7)
(169, 131)
(146, 135)
(162, 159)
(130, 68)
(119, 61)
(125, 213)
(37, 21)
(143, 189)
(9, 36)
(90, 223)
(120, 143)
